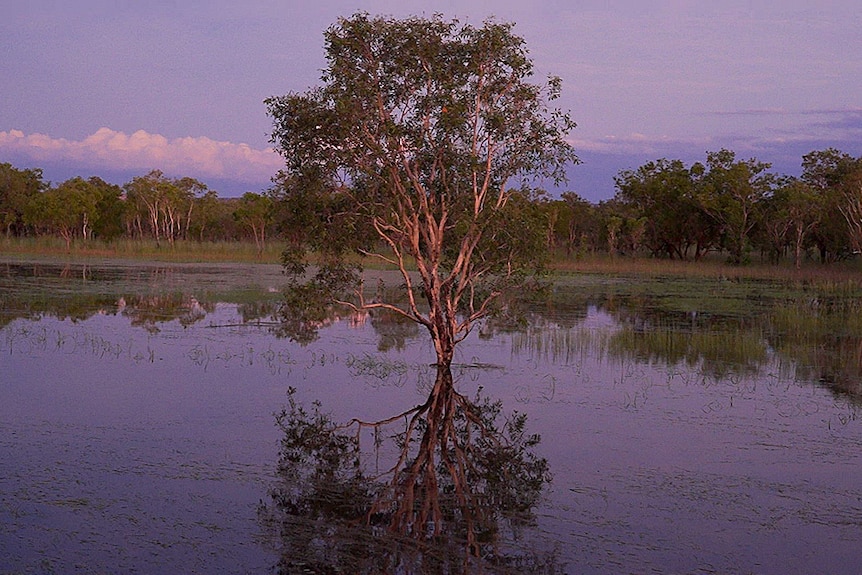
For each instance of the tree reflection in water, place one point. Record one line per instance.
(460, 485)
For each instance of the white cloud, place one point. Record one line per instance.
(107, 149)
(635, 143)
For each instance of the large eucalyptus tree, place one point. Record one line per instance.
(411, 148)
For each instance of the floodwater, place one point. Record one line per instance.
(685, 435)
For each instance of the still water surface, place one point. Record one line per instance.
(137, 432)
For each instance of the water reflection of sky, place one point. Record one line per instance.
(132, 449)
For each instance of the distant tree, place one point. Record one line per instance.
(577, 223)
(824, 172)
(67, 210)
(732, 193)
(145, 195)
(772, 234)
(176, 206)
(827, 169)
(663, 196)
(166, 205)
(255, 211)
(796, 210)
(207, 215)
(851, 207)
(110, 209)
(614, 231)
(17, 189)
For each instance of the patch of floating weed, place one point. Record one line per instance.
(376, 367)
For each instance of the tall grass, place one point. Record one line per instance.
(179, 251)
(839, 276)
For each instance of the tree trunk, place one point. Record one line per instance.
(797, 255)
(442, 333)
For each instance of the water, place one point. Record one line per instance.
(133, 445)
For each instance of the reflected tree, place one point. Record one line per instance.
(393, 330)
(148, 311)
(444, 487)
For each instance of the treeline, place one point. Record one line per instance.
(667, 209)
(737, 207)
(152, 207)
(663, 209)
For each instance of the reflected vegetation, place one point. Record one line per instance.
(149, 311)
(148, 295)
(812, 335)
(824, 343)
(444, 487)
(720, 328)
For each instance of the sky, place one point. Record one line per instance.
(116, 88)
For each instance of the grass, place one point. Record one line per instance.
(835, 274)
(185, 251)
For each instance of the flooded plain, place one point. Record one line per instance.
(691, 426)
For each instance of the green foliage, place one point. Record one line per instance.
(161, 205)
(826, 172)
(17, 189)
(69, 209)
(574, 223)
(256, 212)
(109, 210)
(664, 194)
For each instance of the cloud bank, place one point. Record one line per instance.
(109, 150)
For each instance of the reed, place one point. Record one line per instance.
(838, 275)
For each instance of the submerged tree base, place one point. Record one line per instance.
(457, 491)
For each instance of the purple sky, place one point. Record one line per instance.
(115, 88)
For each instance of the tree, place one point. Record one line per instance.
(207, 214)
(110, 209)
(255, 211)
(68, 209)
(663, 193)
(17, 189)
(408, 154)
(795, 212)
(851, 207)
(824, 172)
(165, 204)
(772, 233)
(414, 138)
(145, 195)
(576, 222)
(732, 193)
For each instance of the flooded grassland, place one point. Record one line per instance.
(691, 425)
